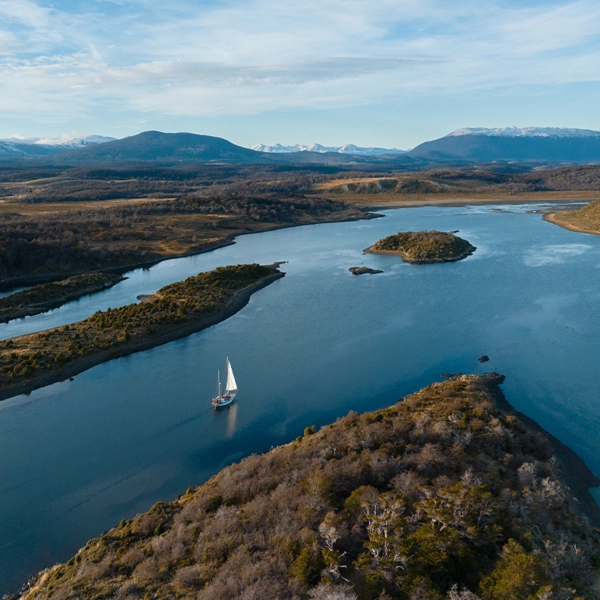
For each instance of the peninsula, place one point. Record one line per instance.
(584, 220)
(46, 296)
(423, 247)
(447, 494)
(177, 310)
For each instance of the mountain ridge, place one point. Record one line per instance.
(536, 145)
(512, 144)
(21, 146)
(343, 149)
(512, 131)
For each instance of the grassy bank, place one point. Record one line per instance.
(442, 496)
(176, 310)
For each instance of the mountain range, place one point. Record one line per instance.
(21, 146)
(531, 144)
(534, 145)
(345, 149)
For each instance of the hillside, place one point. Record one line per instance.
(504, 179)
(444, 495)
(158, 146)
(547, 145)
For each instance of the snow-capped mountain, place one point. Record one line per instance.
(21, 146)
(67, 140)
(513, 144)
(345, 149)
(514, 132)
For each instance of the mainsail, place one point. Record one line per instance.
(231, 384)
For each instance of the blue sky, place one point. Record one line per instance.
(369, 72)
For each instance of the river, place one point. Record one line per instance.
(79, 456)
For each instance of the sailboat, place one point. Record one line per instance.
(228, 396)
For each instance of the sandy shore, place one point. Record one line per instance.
(171, 333)
(387, 201)
(553, 218)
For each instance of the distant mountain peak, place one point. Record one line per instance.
(344, 149)
(514, 132)
(18, 145)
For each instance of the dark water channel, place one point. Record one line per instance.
(77, 457)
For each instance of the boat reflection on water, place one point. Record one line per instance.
(231, 421)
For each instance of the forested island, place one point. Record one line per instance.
(423, 247)
(447, 494)
(46, 296)
(174, 311)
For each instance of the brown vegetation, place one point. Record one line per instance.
(52, 245)
(441, 496)
(57, 222)
(468, 181)
(586, 219)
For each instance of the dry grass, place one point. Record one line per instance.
(398, 201)
(13, 207)
(585, 220)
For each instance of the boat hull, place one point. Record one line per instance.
(223, 400)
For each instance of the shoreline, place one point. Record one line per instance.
(405, 258)
(39, 308)
(551, 218)
(356, 214)
(239, 300)
(279, 461)
(367, 214)
(573, 469)
(463, 200)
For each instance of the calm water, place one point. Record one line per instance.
(77, 457)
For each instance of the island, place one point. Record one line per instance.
(423, 247)
(176, 310)
(46, 296)
(364, 271)
(448, 494)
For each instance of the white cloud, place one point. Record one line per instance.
(256, 55)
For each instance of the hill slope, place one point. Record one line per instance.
(17, 147)
(552, 145)
(437, 495)
(158, 146)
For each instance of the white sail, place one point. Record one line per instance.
(231, 384)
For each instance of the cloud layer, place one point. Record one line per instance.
(250, 56)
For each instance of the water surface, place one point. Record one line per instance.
(77, 457)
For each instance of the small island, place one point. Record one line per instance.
(175, 311)
(364, 271)
(424, 247)
(46, 296)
